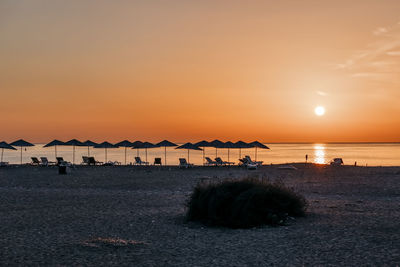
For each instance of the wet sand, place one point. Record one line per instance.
(135, 216)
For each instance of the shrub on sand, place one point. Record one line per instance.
(244, 203)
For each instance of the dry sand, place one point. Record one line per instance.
(135, 216)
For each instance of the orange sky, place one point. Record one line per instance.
(187, 71)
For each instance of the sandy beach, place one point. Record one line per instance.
(135, 216)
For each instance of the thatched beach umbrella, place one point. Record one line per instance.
(55, 143)
(21, 143)
(124, 144)
(147, 145)
(217, 144)
(89, 144)
(137, 145)
(4, 145)
(203, 144)
(189, 146)
(257, 144)
(166, 144)
(229, 145)
(240, 145)
(105, 145)
(73, 143)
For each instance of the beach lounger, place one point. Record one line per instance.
(138, 161)
(85, 160)
(62, 162)
(157, 161)
(258, 163)
(3, 164)
(46, 162)
(93, 162)
(220, 162)
(35, 161)
(337, 162)
(245, 162)
(184, 164)
(210, 162)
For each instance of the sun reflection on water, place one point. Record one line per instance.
(319, 154)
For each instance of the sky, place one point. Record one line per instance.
(193, 70)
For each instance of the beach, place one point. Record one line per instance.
(135, 216)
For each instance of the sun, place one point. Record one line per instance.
(319, 111)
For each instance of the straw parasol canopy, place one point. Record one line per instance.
(89, 143)
(229, 145)
(105, 145)
(21, 143)
(203, 144)
(217, 144)
(124, 144)
(137, 145)
(55, 143)
(240, 145)
(147, 145)
(189, 146)
(166, 144)
(73, 143)
(4, 145)
(257, 144)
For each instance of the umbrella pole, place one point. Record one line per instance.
(146, 154)
(240, 153)
(73, 155)
(105, 150)
(256, 155)
(188, 156)
(138, 152)
(21, 155)
(203, 155)
(88, 153)
(228, 154)
(165, 152)
(2, 152)
(55, 151)
(125, 155)
(216, 152)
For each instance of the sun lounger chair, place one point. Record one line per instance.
(337, 162)
(35, 161)
(258, 163)
(184, 164)
(245, 162)
(138, 161)
(220, 162)
(3, 164)
(62, 162)
(157, 161)
(93, 162)
(46, 162)
(85, 160)
(210, 162)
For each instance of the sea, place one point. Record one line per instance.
(361, 154)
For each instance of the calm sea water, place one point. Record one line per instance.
(363, 154)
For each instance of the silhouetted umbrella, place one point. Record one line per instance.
(4, 145)
(189, 146)
(147, 145)
(105, 145)
(203, 144)
(125, 144)
(137, 145)
(21, 143)
(73, 143)
(240, 145)
(89, 143)
(217, 144)
(55, 143)
(229, 145)
(165, 144)
(257, 144)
